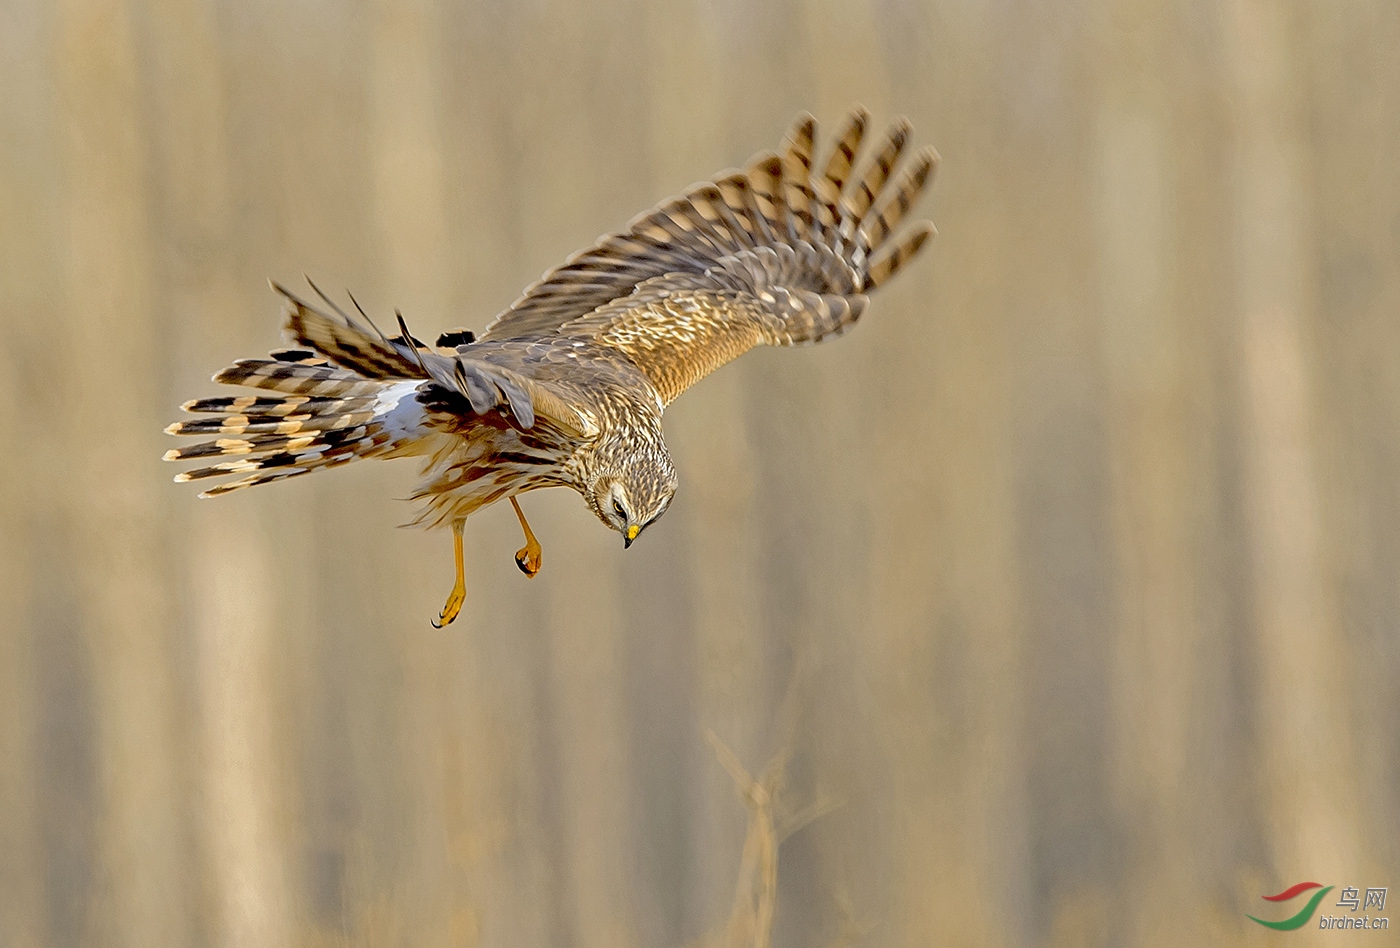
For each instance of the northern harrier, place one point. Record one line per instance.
(566, 388)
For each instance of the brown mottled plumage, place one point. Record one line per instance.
(567, 386)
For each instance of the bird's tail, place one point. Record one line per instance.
(316, 413)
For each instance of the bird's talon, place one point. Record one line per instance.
(453, 606)
(529, 561)
(530, 556)
(451, 610)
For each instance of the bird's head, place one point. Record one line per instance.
(631, 493)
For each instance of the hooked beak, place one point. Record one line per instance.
(631, 535)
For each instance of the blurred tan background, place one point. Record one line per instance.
(1067, 588)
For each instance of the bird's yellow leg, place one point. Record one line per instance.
(459, 591)
(529, 557)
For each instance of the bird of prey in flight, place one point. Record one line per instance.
(566, 387)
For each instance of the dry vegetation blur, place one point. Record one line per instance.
(1058, 604)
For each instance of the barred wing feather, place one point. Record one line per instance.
(775, 254)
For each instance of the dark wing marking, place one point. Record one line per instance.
(361, 354)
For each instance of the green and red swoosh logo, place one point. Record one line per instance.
(1304, 915)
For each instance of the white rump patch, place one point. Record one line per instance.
(398, 410)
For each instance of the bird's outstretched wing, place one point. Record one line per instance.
(775, 254)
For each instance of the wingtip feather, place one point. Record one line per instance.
(803, 128)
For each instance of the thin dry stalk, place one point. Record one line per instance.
(750, 922)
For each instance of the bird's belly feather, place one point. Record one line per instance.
(483, 466)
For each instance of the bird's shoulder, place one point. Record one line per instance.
(586, 371)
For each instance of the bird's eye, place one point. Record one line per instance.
(619, 509)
